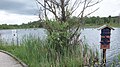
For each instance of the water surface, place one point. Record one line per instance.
(91, 36)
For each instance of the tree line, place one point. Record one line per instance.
(102, 20)
(73, 21)
(34, 24)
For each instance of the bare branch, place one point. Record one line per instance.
(74, 4)
(84, 7)
(67, 2)
(56, 3)
(43, 5)
(62, 7)
(76, 7)
(92, 4)
(92, 12)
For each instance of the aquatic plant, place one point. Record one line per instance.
(38, 53)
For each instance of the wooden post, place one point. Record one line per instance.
(105, 41)
(104, 57)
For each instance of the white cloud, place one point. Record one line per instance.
(9, 18)
(108, 7)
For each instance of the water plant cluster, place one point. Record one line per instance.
(37, 53)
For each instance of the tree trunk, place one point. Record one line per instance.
(63, 18)
(45, 8)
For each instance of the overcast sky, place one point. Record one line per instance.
(24, 11)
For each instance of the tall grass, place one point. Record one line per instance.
(37, 53)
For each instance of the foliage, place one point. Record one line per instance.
(35, 24)
(58, 35)
(101, 20)
(38, 53)
(72, 21)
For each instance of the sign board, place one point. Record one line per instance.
(14, 33)
(105, 36)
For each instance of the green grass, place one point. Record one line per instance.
(37, 53)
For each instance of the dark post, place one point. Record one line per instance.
(105, 41)
(104, 57)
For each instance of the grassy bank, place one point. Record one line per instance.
(116, 25)
(37, 53)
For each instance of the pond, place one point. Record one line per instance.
(90, 35)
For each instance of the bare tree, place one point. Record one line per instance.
(63, 9)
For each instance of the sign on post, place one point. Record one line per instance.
(105, 41)
(105, 36)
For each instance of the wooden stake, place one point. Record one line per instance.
(104, 57)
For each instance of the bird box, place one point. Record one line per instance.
(105, 36)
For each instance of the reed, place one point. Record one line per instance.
(39, 53)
